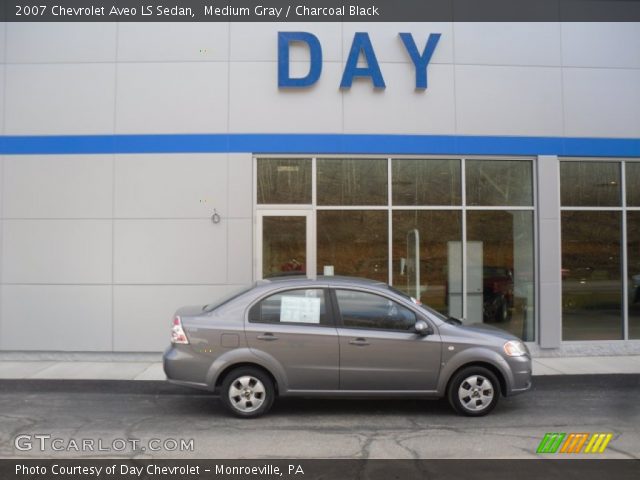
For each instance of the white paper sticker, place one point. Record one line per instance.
(300, 310)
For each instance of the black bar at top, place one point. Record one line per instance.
(334, 11)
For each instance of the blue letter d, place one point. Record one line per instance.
(315, 59)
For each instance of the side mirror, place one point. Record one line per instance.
(422, 328)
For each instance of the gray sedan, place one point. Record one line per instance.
(339, 337)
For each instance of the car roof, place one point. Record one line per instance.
(285, 280)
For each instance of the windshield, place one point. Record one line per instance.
(430, 310)
(236, 292)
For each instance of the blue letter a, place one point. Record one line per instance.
(315, 60)
(361, 43)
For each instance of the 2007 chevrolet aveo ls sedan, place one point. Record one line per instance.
(339, 337)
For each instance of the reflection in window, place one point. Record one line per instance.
(284, 181)
(352, 182)
(353, 242)
(500, 271)
(284, 245)
(426, 182)
(427, 245)
(591, 280)
(293, 306)
(436, 270)
(499, 182)
(366, 310)
(633, 183)
(590, 184)
(633, 264)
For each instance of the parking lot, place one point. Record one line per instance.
(108, 413)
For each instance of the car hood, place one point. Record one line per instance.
(488, 329)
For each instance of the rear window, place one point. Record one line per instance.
(227, 298)
(300, 306)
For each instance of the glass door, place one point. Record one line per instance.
(284, 244)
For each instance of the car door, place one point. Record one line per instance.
(295, 328)
(379, 349)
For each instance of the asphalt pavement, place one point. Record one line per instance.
(126, 419)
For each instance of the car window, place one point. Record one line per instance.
(302, 306)
(420, 305)
(233, 294)
(367, 310)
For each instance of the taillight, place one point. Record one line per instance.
(177, 332)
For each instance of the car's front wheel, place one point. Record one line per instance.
(474, 391)
(247, 392)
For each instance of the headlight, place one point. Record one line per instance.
(514, 348)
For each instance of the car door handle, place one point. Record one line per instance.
(269, 337)
(360, 342)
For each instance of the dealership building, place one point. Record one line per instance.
(490, 169)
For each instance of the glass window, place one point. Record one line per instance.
(366, 310)
(426, 182)
(499, 182)
(590, 184)
(591, 280)
(284, 245)
(353, 243)
(633, 264)
(427, 257)
(352, 182)
(224, 299)
(633, 183)
(500, 270)
(284, 180)
(293, 306)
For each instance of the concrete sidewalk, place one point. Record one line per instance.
(152, 370)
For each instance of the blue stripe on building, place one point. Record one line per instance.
(319, 144)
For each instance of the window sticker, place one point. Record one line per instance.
(300, 310)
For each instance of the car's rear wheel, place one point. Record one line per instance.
(474, 391)
(247, 392)
(502, 312)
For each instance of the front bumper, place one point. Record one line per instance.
(521, 374)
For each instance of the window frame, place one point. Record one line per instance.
(391, 208)
(623, 208)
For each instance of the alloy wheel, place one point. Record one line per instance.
(476, 393)
(247, 394)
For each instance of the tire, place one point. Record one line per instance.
(491, 309)
(473, 391)
(247, 392)
(502, 311)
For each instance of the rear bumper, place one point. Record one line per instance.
(183, 367)
(200, 386)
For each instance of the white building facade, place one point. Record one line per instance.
(145, 166)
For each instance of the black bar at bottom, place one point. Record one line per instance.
(552, 467)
